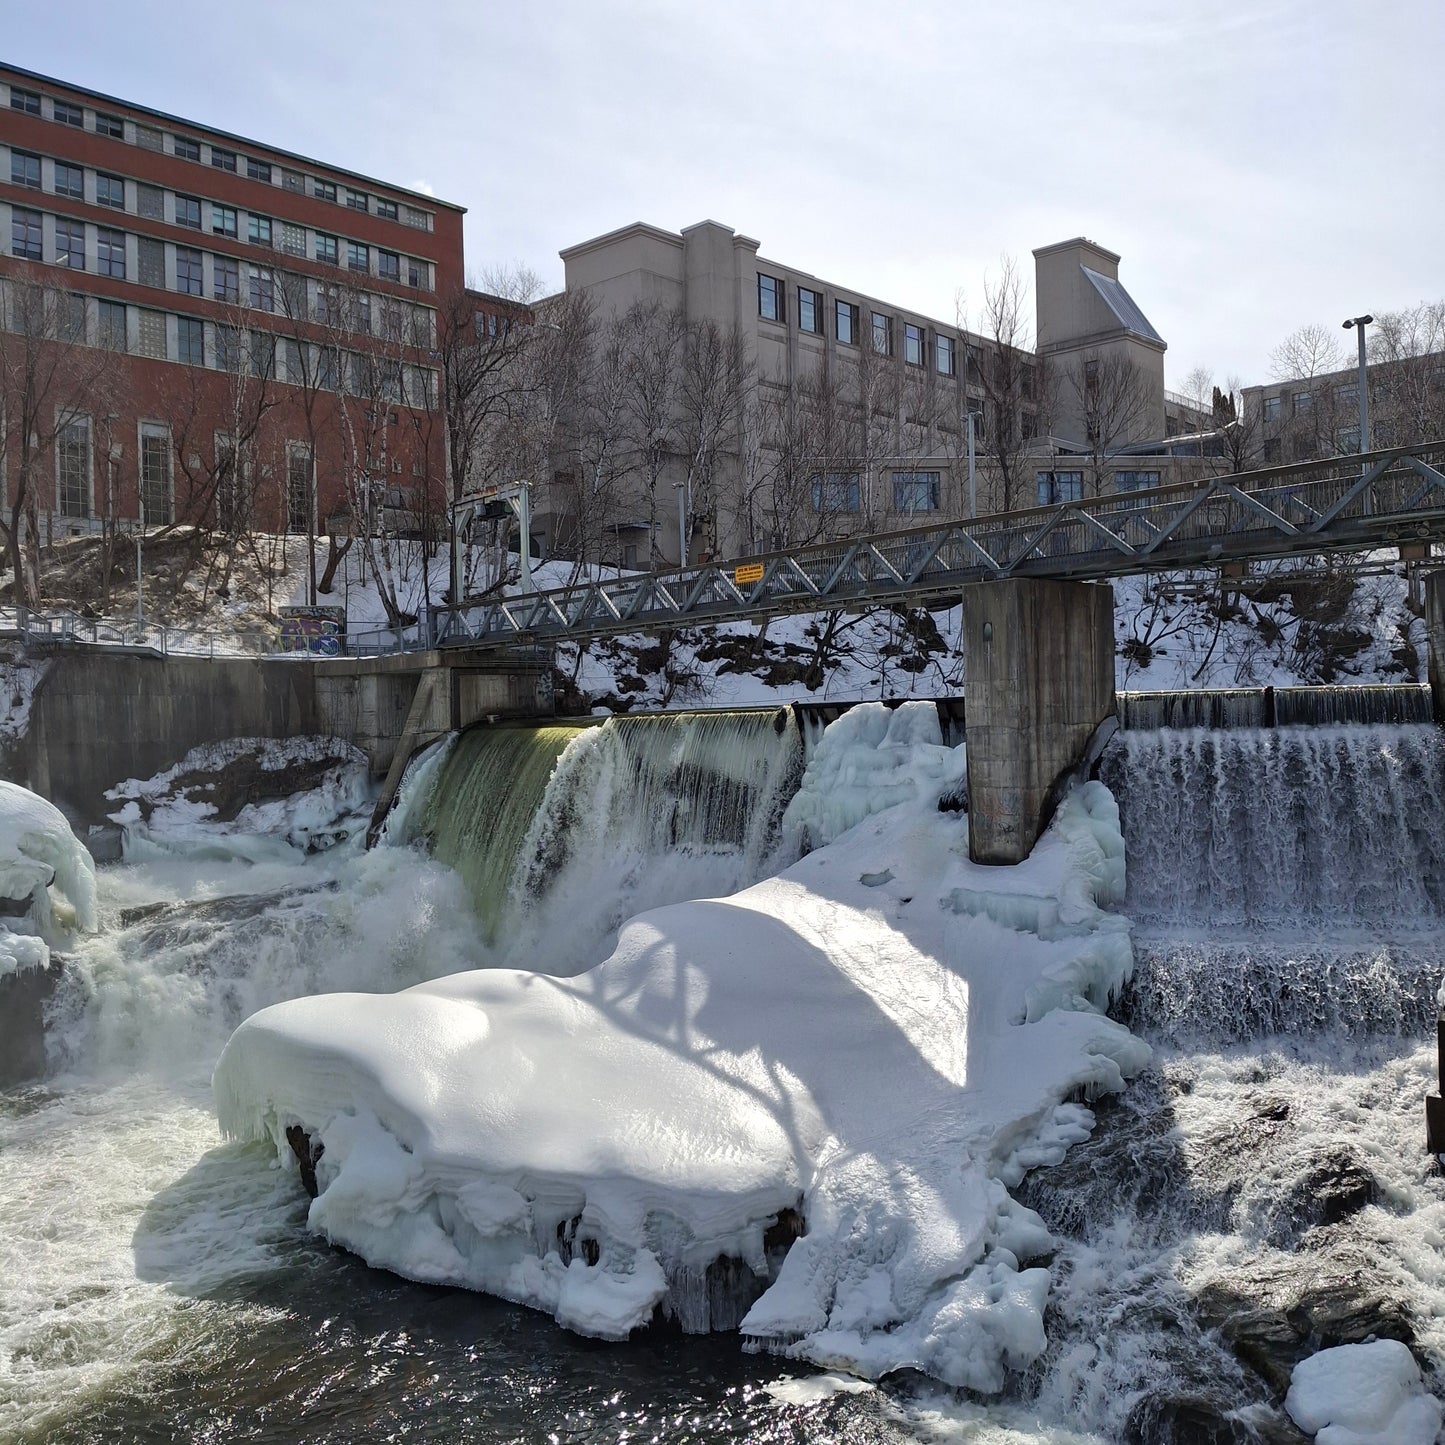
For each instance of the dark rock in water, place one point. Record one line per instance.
(1198, 1420)
(15, 907)
(307, 1155)
(1334, 1187)
(23, 996)
(102, 842)
(129, 917)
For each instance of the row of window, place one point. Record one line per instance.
(74, 472)
(912, 492)
(187, 148)
(194, 213)
(1302, 401)
(107, 252)
(1055, 487)
(164, 336)
(848, 327)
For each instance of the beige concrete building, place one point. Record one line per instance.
(856, 413)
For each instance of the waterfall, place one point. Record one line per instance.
(1264, 707)
(562, 832)
(1283, 880)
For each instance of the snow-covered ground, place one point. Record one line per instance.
(882, 1038)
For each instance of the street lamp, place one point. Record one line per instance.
(1358, 324)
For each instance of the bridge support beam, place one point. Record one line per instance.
(1038, 680)
(1435, 628)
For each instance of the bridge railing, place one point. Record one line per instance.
(1315, 507)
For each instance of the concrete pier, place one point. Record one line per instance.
(1435, 629)
(1039, 679)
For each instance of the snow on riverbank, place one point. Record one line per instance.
(38, 849)
(872, 1039)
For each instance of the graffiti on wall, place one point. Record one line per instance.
(317, 630)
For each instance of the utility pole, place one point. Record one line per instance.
(972, 474)
(140, 611)
(1357, 324)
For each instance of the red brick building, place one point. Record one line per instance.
(232, 334)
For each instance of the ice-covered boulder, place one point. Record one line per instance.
(843, 1043)
(1369, 1394)
(38, 850)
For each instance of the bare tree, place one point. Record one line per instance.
(716, 374)
(1112, 396)
(1407, 375)
(1304, 354)
(653, 343)
(49, 380)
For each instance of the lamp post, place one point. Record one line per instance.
(140, 611)
(1357, 324)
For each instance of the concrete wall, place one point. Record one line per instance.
(1435, 630)
(101, 717)
(1039, 678)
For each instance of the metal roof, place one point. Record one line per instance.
(1123, 305)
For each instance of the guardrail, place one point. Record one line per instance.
(1343, 504)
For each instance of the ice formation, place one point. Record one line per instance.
(38, 849)
(872, 1046)
(1369, 1394)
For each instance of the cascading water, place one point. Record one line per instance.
(562, 832)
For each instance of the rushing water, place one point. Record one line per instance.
(1260, 1191)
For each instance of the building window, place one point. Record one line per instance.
(110, 253)
(1272, 408)
(810, 305)
(151, 334)
(1135, 481)
(845, 322)
(912, 344)
(916, 491)
(293, 181)
(328, 368)
(770, 298)
(150, 202)
(228, 348)
(69, 181)
(418, 274)
(68, 114)
(945, 357)
(262, 289)
(975, 415)
(326, 248)
(1028, 426)
(836, 492)
(1060, 487)
(327, 304)
(388, 265)
(293, 296)
(298, 491)
(292, 362)
(148, 138)
(225, 279)
(111, 125)
(223, 160)
(26, 101)
(882, 334)
(361, 314)
(258, 229)
(358, 256)
(188, 212)
(188, 271)
(259, 170)
(358, 201)
(386, 209)
(1303, 400)
(109, 191)
(25, 170)
(190, 341)
(262, 349)
(1271, 451)
(70, 243)
(228, 500)
(186, 148)
(223, 221)
(25, 234)
(72, 461)
(293, 239)
(323, 190)
(155, 476)
(1091, 375)
(112, 326)
(421, 220)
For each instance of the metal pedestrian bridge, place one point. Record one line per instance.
(1346, 504)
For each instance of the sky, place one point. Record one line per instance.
(1259, 166)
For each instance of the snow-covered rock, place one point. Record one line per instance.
(37, 849)
(1369, 1394)
(842, 1040)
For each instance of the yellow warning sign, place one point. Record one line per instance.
(748, 572)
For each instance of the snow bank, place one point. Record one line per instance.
(242, 795)
(1368, 1394)
(839, 1050)
(38, 849)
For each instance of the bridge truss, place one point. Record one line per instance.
(1345, 504)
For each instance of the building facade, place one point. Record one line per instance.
(858, 411)
(204, 328)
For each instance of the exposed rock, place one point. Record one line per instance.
(1200, 1420)
(307, 1153)
(23, 996)
(1334, 1187)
